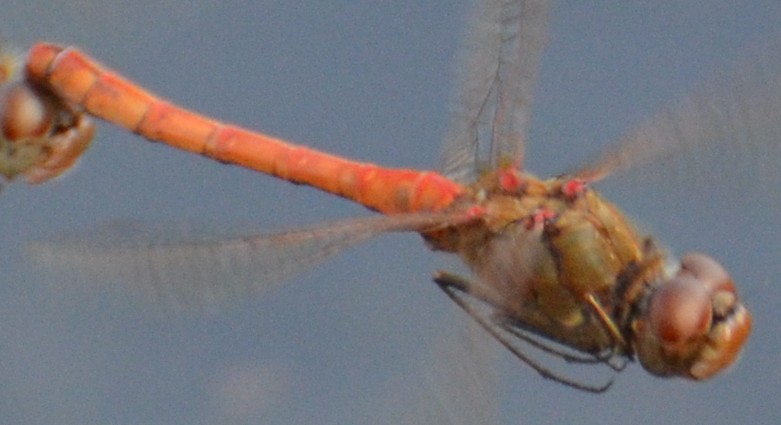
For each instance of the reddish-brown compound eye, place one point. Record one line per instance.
(731, 320)
(24, 113)
(694, 325)
(680, 313)
(707, 271)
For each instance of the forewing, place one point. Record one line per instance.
(492, 110)
(188, 271)
(734, 117)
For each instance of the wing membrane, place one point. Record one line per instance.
(186, 271)
(492, 111)
(732, 117)
(461, 379)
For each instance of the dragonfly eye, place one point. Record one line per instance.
(680, 313)
(694, 325)
(24, 114)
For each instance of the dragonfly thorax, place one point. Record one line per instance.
(554, 258)
(540, 251)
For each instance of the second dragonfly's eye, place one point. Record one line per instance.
(24, 113)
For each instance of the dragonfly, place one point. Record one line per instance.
(554, 264)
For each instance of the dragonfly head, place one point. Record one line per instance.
(24, 112)
(40, 137)
(693, 324)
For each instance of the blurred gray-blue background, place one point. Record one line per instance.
(344, 342)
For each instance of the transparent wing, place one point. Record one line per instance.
(460, 379)
(492, 111)
(733, 117)
(189, 271)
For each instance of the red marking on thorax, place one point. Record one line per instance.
(572, 189)
(510, 180)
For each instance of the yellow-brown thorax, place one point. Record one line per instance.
(541, 250)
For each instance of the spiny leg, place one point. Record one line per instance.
(510, 325)
(454, 286)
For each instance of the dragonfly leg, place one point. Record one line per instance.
(607, 321)
(510, 325)
(458, 289)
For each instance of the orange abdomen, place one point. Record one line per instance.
(79, 80)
